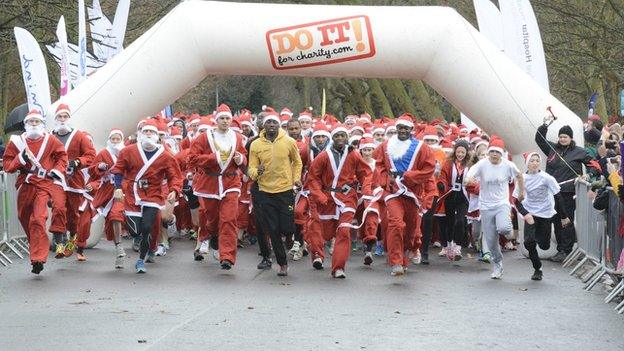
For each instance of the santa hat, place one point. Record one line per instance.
(430, 133)
(321, 129)
(223, 110)
(496, 144)
(594, 118)
(446, 145)
(354, 138)
(195, 118)
(365, 117)
(150, 124)
(115, 131)
(367, 143)
(482, 142)
(268, 109)
(285, 111)
(205, 123)
(62, 108)
(284, 119)
(162, 127)
(353, 118)
(236, 125)
(339, 128)
(463, 130)
(305, 115)
(141, 123)
(358, 126)
(391, 127)
(33, 114)
(245, 119)
(405, 120)
(527, 156)
(271, 116)
(474, 136)
(176, 133)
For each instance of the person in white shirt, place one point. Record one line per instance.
(494, 175)
(542, 202)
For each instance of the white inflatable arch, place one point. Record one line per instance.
(200, 38)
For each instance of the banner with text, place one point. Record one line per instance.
(321, 43)
(34, 71)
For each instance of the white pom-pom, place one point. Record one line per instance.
(310, 108)
(264, 107)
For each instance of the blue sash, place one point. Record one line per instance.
(402, 163)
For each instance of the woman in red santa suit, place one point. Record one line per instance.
(219, 158)
(80, 153)
(405, 165)
(333, 179)
(103, 203)
(368, 217)
(40, 159)
(145, 165)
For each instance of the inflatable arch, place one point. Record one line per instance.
(435, 44)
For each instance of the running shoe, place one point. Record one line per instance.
(537, 275)
(425, 259)
(487, 257)
(81, 257)
(136, 243)
(415, 257)
(294, 250)
(193, 235)
(37, 267)
(317, 263)
(437, 244)
(197, 256)
(283, 271)
(299, 254)
(59, 251)
(510, 246)
(497, 272)
(226, 265)
(265, 263)
(161, 250)
(70, 247)
(397, 270)
(339, 274)
(368, 258)
(457, 255)
(442, 252)
(379, 249)
(140, 266)
(151, 258)
(204, 247)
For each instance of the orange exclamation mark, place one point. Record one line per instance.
(357, 29)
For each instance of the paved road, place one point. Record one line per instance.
(181, 304)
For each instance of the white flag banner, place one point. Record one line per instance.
(61, 34)
(522, 39)
(93, 63)
(468, 122)
(82, 42)
(34, 72)
(490, 22)
(118, 31)
(100, 31)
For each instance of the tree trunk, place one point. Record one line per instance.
(428, 106)
(379, 98)
(398, 96)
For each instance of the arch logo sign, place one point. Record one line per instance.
(321, 43)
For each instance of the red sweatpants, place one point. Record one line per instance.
(32, 212)
(58, 222)
(183, 215)
(72, 203)
(221, 221)
(368, 231)
(403, 219)
(328, 230)
(84, 227)
(242, 219)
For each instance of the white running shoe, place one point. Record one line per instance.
(215, 255)
(204, 247)
(295, 248)
(331, 246)
(339, 274)
(416, 257)
(397, 270)
(299, 254)
(497, 273)
(121, 254)
(437, 244)
(457, 254)
(161, 251)
(442, 252)
(172, 231)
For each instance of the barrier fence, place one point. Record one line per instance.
(599, 242)
(13, 242)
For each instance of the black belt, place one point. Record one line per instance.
(224, 174)
(344, 190)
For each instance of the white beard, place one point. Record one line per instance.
(148, 143)
(114, 148)
(398, 148)
(34, 132)
(62, 128)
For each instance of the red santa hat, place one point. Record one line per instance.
(482, 142)
(195, 118)
(353, 118)
(205, 123)
(305, 115)
(320, 129)
(496, 144)
(390, 127)
(367, 143)
(286, 111)
(223, 110)
(284, 119)
(463, 130)
(365, 117)
(339, 128)
(474, 136)
(405, 120)
(115, 131)
(431, 133)
(162, 127)
(150, 124)
(358, 126)
(236, 125)
(527, 156)
(354, 138)
(176, 133)
(62, 108)
(446, 145)
(141, 123)
(271, 116)
(245, 119)
(594, 118)
(33, 114)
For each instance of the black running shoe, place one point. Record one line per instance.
(227, 265)
(197, 256)
(265, 264)
(537, 275)
(37, 267)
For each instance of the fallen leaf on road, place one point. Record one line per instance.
(142, 341)
(79, 303)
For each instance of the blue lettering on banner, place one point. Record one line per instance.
(31, 84)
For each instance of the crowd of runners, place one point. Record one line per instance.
(297, 186)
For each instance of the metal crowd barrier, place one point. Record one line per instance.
(14, 240)
(599, 242)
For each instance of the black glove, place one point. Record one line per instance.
(440, 187)
(54, 176)
(25, 156)
(74, 164)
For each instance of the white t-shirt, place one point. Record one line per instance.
(540, 190)
(494, 182)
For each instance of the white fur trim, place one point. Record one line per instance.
(397, 148)
(369, 145)
(495, 148)
(271, 117)
(404, 122)
(338, 130)
(149, 127)
(431, 137)
(223, 113)
(62, 111)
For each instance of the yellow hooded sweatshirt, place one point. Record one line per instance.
(281, 160)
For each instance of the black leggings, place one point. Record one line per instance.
(536, 234)
(427, 227)
(142, 227)
(456, 208)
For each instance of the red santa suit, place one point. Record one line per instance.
(79, 147)
(183, 211)
(103, 202)
(217, 184)
(34, 185)
(333, 183)
(412, 164)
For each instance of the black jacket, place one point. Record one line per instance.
(575, 157)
